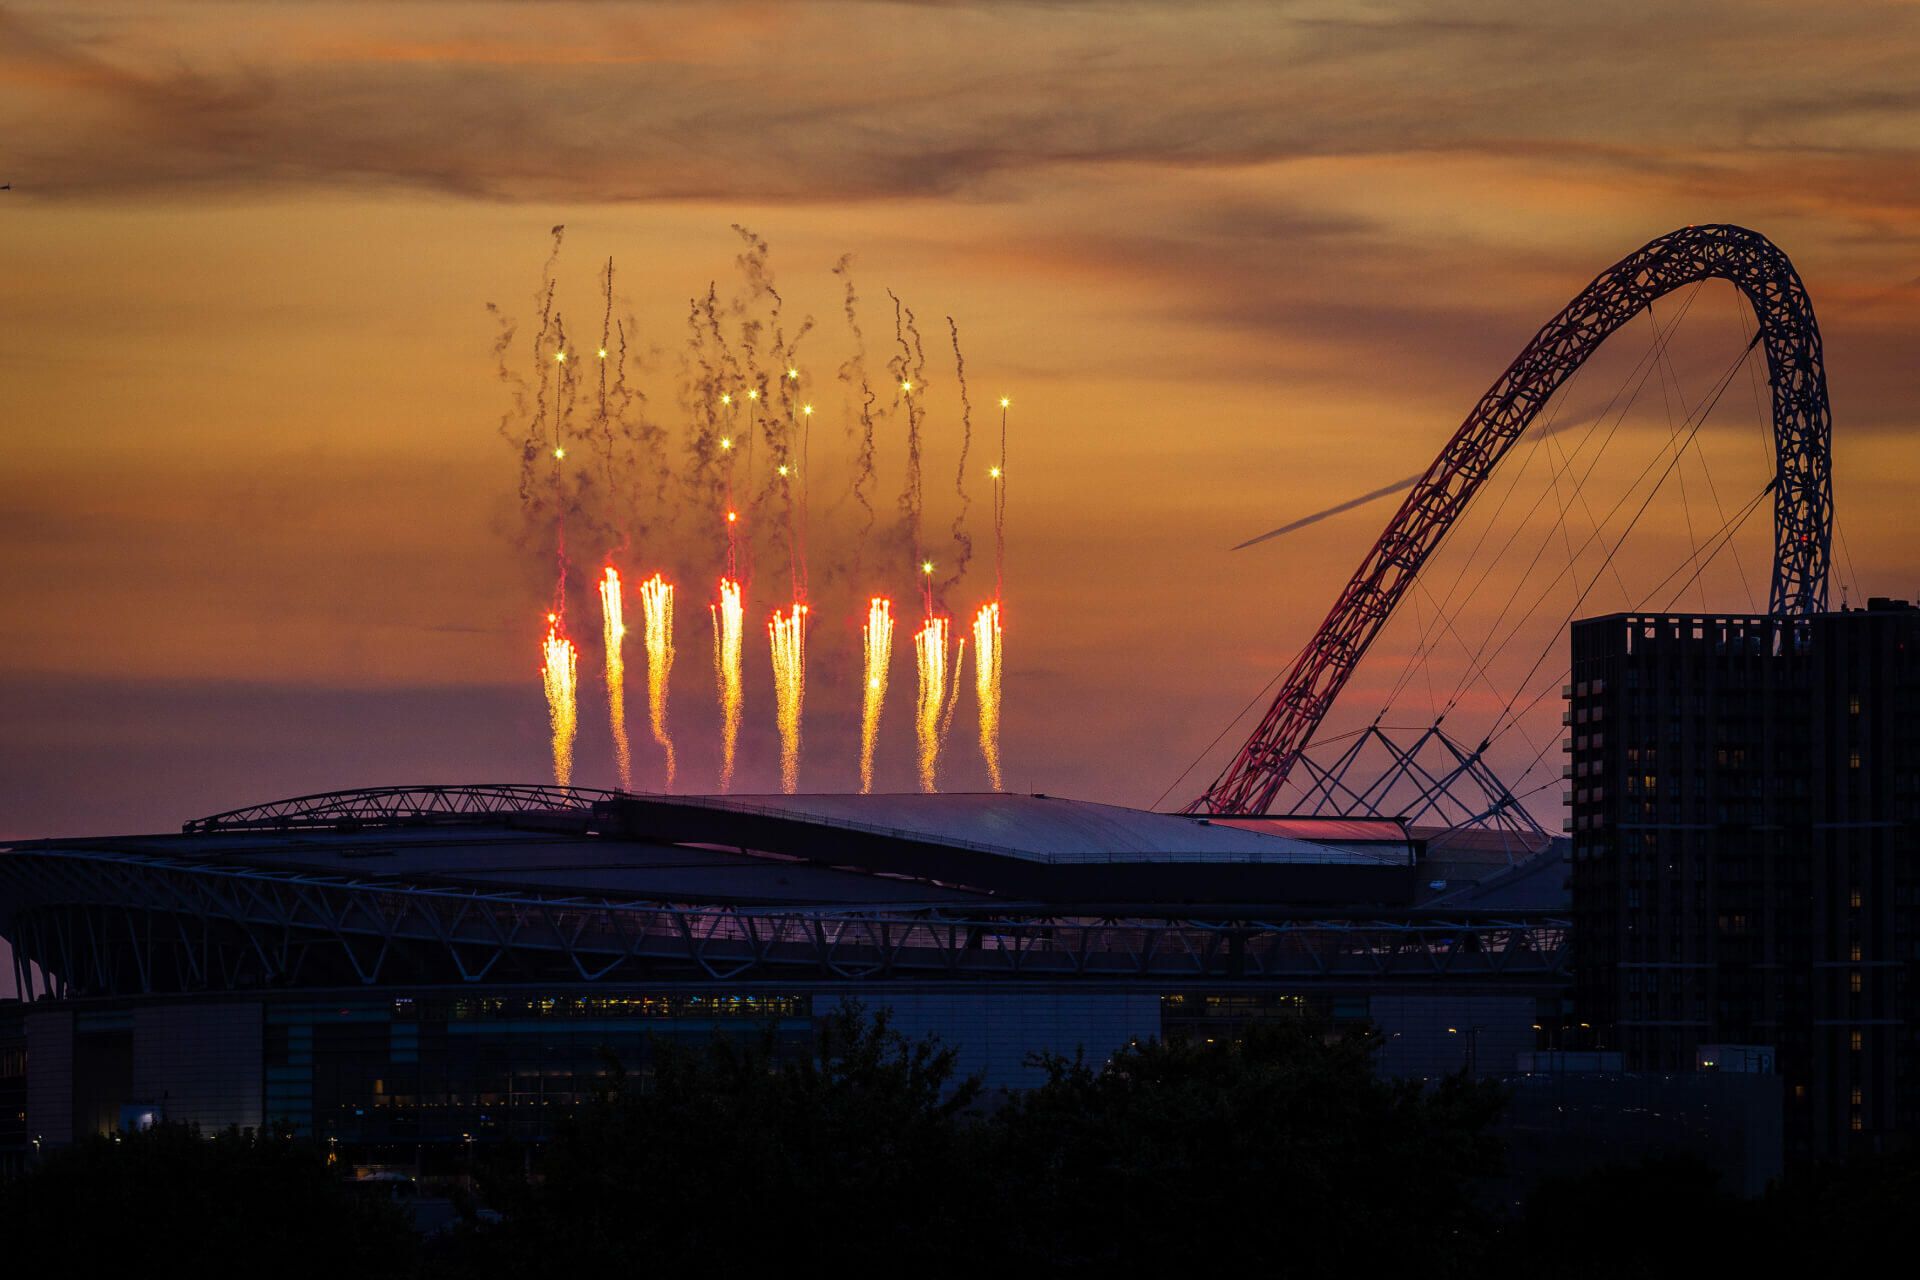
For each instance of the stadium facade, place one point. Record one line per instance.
(440, 964)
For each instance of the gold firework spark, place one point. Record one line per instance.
(788, 632)
(613, 635)
(986, 684)
(557, 671)
(878, 637)
(930, 656)
(656, 604)
(727, 619)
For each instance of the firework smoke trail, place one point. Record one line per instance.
(656, 606)
(998, 473)
(877, 637)
(930, 656)
(961, 538)
(788, 634)
(613, 631)
(530, 409)
(986, 685)
(557, 672)
(854, 373)
(728, 615)
(911, 499)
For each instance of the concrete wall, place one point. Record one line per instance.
(200, 1062)
(993, 1033)
(50, 1077)
(1418, 1042)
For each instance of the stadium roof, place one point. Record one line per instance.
(445, 884)
(820, 849)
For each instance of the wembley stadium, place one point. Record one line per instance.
(413, 965)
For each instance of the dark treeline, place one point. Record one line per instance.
(1282, 1149)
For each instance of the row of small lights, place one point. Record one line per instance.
(793, 375)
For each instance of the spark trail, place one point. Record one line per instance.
(557, 672)
(788, 636)
(613, 636)
(878, 639)
(728, 616)
(986, 685)
(656, 605)
(930, 655)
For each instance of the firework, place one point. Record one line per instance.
(878, 637)
(986, 684)
(613, 636)
(656, 605)
(930, 654)
(727, 619)
(557, 674)
(788, 634)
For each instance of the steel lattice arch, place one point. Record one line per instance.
(1802, 482)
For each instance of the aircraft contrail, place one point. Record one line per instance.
(1401, 486)
(1397, 486)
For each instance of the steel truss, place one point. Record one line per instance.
(1428, 780)
(1803, 483)
(91, 923)
(386, 806)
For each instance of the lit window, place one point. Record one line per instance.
(1854, 953)
(1854, 1041)
(1853, 983)
(1853, 899)
(1854, 1124)
(1853, 705)
(1856, 1097)
(1853, 760)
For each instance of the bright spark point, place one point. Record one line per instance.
(725, 443)
(783, 468)
(603, 353)
(754, 394)
(906, 386)
(560, 357)
(793, 375)
(1005, 402)
(926, 566)
(656, 601)
(557, 673)
(726, 399)
(807, 409)
(788, 635)
(613, 633)
(727, 618)
(877, 637)
(732, 516)
(559, 453)
(994, 472)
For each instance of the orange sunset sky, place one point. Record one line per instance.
(1233, 263)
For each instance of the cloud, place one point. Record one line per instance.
(857, 102)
